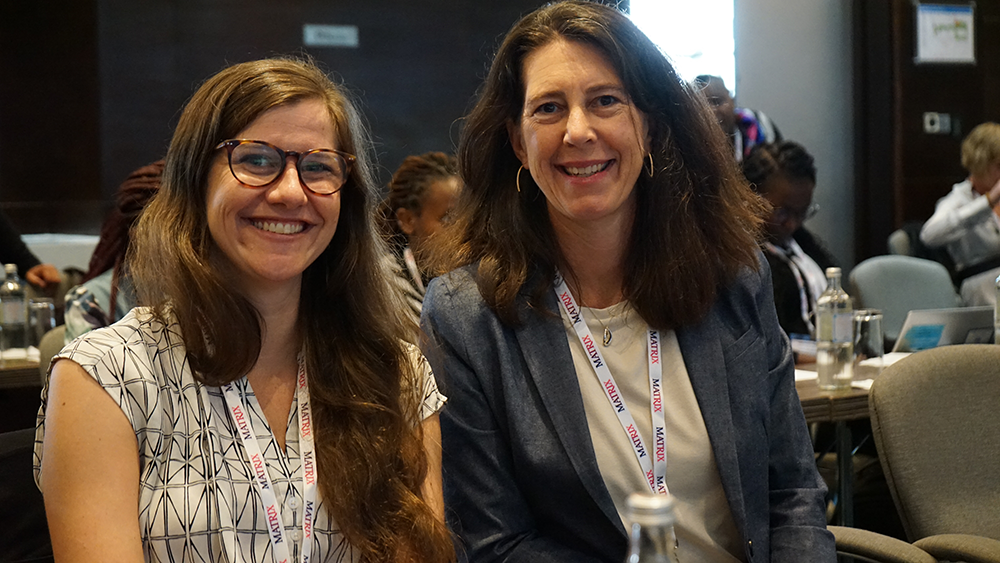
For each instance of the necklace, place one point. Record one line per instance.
(608, 335)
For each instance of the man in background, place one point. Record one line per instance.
(745, 127)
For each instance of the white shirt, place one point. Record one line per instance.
(196, 499)
(965, 224)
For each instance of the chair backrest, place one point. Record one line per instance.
(936, 420)
(899, 243)
(900, 284)
(50, 345)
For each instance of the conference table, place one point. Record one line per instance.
(839, 408)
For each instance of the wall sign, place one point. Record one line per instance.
(946, 33)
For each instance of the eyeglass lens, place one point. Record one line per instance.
(257, 164)
(782, 214)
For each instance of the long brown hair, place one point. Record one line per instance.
(370, 454)
(696, 221)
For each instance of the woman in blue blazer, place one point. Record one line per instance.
(610, 326)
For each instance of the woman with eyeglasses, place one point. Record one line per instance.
(262, 405)
(785, 175)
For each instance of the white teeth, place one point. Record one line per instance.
(280, 228)
(588, 171)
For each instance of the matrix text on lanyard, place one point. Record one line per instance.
(655, 470)
(262, 481)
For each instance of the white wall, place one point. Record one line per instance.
(793, 62)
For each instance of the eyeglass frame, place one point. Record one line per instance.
(782, 215)
(231, 144)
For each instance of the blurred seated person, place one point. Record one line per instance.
(29, 267)
(422, 192)
(966, 220)
(106, 294)
(745, 127)
(785, 175)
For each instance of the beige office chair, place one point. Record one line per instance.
(898, 284)
(936, 421)
(50, 345)
(899, 243)
(864, 545)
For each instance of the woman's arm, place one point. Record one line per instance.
(954, 216)
(797, 495)
(432, 489)
(90, 471)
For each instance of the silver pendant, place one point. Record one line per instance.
(607, 336)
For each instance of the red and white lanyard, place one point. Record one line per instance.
(262, 481)
(653, 467)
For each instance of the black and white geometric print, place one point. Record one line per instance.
(197, 499)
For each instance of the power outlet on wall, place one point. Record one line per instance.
(936, 123)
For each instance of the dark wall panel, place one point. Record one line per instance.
(50, 161)
(416, 69)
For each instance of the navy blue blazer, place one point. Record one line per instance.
(520, 474)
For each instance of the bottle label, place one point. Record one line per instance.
(843, 327)
(13, 311)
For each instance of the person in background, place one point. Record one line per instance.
(421, 194)
(262, 405)
(784, 173)
(744, 126)
(966, 220)
(106, 294)
(610, 326)
(29, 267)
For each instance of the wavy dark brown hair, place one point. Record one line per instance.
(369, 445)
(697, 222)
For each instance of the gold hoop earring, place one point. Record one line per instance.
(517, 179)
(651, 169)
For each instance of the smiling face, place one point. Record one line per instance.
(269, 235)
(579, 135)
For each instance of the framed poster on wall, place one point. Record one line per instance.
(946, 33)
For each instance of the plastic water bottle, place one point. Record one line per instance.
(834, 335)
(13, 311)
(652, 538)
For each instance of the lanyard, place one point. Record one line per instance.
(411, 265)
(654, 469)
(262, 481)
(805, 304)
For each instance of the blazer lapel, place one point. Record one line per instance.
(702, 351)
(543, 342)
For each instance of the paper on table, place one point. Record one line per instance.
(862, 384)
(887, 360)
(805, 375)
(21, 354)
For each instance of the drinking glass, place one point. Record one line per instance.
(41, 319)
(869, 343)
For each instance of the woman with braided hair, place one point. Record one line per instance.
(785, 175)
(106, 293)
(421, 194)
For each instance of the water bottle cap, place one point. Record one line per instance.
(832, 271)
(10, 268)
(650, 509)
